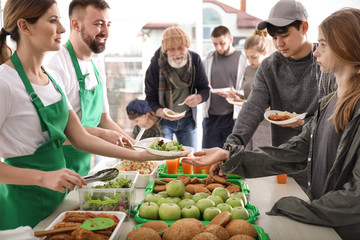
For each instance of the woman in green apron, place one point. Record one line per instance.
(35, 119)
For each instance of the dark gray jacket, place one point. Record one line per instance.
(339, 205)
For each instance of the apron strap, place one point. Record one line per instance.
(30, 90)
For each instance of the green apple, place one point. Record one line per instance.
(204, 194)
(187, 195)
(197, 197)
(153, 197)
(204, 203)
(224, 207)
(221, 192)
(163, 194)
(175, 188)
(175, 199)
(165, 200)
(239, 213)
(235, 202)
(149, 210)
(169, 211)
(186, 202)
(240, 195)
(217, 200)
(190, 211)
(210, 213)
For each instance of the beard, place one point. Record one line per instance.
(226, 51)
(178, 61)
(92, 43)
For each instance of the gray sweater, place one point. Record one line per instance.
(276, 86)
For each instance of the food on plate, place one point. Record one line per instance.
(146, 167)
(218, 231)
(238, 100)
(171, 112)
(205, 236)
(77, 218)
(166, 146)
(239, 226)
(143, 233)
(282, 116)
(222, 219)
(185, 229)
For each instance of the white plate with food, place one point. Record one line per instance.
(235, 101)
(171, 113)
(282, 117)
(163, 147)
(216, 90)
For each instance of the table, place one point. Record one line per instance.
(264, 192)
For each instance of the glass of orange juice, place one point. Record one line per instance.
(171, 166)
(281, 179)
(207, 169)
(198, 169)
(187, 168)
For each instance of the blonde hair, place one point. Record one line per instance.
(341, 31)
(30, 10)
(258, 41)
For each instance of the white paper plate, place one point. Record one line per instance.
(216, 90)
(231, 101)
(145, 143)
(116, 233)
(168, 111)
(291, 120)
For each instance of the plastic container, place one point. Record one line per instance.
(163, 172)
(144, 179)
(114, 236)
(260, 231)
(109, 199)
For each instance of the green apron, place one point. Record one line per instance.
(27, 205)
(91, 103)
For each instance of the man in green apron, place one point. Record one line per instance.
(83, 81)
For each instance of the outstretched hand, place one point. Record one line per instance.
(207, 157)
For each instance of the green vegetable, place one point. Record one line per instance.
(117, 183)
(169, 146)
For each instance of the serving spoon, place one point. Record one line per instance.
(103, 175)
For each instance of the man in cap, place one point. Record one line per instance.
(224, 68)
(176, 80)
(84, 80)
(288, 80)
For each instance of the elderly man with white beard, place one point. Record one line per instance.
(176, 80)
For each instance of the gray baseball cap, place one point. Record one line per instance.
(284, 13)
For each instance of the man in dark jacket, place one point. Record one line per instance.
(175, 83)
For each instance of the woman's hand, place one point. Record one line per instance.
(61, 180)
(208, 157)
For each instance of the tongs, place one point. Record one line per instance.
(103, 175)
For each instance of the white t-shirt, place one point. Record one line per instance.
(20, 130)
(62, 64)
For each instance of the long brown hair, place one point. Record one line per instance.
(30, 10)
(342, 33)
(151, 116)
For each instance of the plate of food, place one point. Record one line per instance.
(171, 113)
(282, 117)
(164, 147)
(216, 90)
(236, 101)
